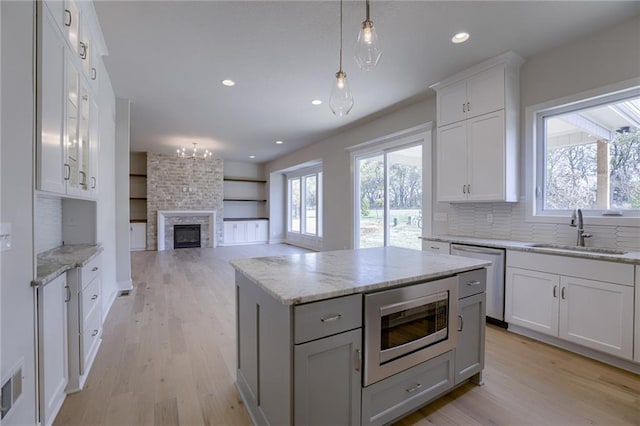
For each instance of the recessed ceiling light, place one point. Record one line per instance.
(460, 38)
(316, 102)
(279, 142)
(228, 83)
(252, 156)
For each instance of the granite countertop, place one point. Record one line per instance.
(309, 277)
(629, 257)
(54, 262)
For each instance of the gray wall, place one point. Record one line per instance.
(603, 58)
(17, 339)
(337, 209)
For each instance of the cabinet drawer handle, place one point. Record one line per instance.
(95, 268)
(68, 13)
(93, 182)
(555, 291)
(473, 283)
(358, 360)
(413, 389)
(83, 53)
(562, 293)
(95, 333)
(461, 323)
(434, 248)
(94, 297)
(94, 74)
(464, 107)
(68, 167)
(332, 318)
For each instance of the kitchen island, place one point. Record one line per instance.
(305, 349)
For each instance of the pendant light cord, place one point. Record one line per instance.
(367, 7)
(340, 35)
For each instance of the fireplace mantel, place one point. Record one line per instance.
(163, 214)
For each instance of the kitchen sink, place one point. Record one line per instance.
(579, 248)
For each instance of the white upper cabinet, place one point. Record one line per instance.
(478, 95)
(67, 149)
(477, 137)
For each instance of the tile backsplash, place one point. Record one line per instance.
(509, 223)
(48, 232)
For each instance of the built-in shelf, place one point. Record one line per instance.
(137, 175)
(244, 200)
(240, 179)
(244, 218)
(137, 198)
(138, 220)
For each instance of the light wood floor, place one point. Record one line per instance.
(168, 358)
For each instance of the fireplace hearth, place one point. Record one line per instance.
(186, 236)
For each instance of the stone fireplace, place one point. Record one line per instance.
(169, 219)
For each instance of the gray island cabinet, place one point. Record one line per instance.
(301, 343)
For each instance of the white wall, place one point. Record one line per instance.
(121, 152)
(17, 269)
(106, 217)
(604, 58)
(337, 209)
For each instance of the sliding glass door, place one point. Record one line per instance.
(389, 198)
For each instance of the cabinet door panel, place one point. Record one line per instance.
(598, 315)
(452, 103)
(485, 92)
(52, 336)
(486, 157)
(531, 300)
(636, 352)
(327, 380)
(51, 159)
(452, 162)
(470, 343)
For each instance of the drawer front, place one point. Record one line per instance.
(315, 320)
(472, 282)
(91, 270)
(91, 334)
(90, 298)
(436, 246)
(402, 393)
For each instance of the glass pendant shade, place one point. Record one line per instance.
(341, 99)
(367, 48)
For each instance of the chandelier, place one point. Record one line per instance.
(193, 153)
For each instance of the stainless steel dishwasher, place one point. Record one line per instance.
(495, 277)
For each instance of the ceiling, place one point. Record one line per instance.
(169, 58)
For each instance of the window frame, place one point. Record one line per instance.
(535, 155)
(302, 176)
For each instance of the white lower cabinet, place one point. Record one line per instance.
(137, 236)
(52, 346)
(592, 313)
(436, 246)
(85, 321)
(636, 351)
(246, 231)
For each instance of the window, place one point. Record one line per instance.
(589, 155)
(305, 203)
(389, 198)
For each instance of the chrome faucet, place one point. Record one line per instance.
(577, 214)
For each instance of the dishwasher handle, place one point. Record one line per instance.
(474, 249)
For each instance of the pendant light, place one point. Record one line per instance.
(367, 48)
(341, 99)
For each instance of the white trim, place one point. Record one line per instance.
(163, 214)
(107, 308)
(125, 285)
(383, 145)
(533, 166)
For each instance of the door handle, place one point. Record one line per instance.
(94, 74)
(464, 107)
(555, 291)
(562, 293)
(93, 182)
(68, 294)
(68, 171)
(358, 361)
(68, 13)
(464, 189)
(468, 106)
(461, 323)
(83, 53)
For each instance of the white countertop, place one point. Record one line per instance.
(309, 277)
(629, 257)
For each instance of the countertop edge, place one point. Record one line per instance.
(41, 281)
(526, 246)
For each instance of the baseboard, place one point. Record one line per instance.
(276, 241)
(581, 350)
(125, 285)
(110, 301)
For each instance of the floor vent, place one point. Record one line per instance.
(125, 293)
